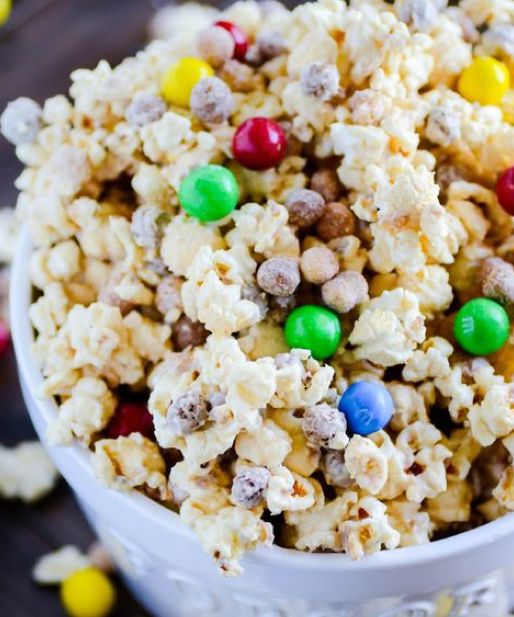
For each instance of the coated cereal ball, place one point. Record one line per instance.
(167, 294)
(20, 121)
(498, 280)
(215, 45)
(337, 220)
(188, 333)
(279, 276)
(326, 182)
(305, 207)
(321, 423)
(180, 79)
(270, 44)
(187, 413)
(334, 467)
(318, 265)
(249, 486)
(88, 593)
(346, 291)
(211, 100)
(485, 81)
(320, 80)
(145, 109)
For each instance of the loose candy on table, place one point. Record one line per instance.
(180, 79)
(315, 328)
(5, 11)
(486, 81)
(481, 326)
(131, 418)
(505, 190)
(209, 193)
(259, 144)
(367, 406)
(88, 593)
(239, 36)
(5, 338)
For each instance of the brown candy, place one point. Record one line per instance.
(188, 333)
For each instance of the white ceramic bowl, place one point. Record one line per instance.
(166, 568)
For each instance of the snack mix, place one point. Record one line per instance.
(273, 255)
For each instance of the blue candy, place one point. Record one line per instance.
(368, 407)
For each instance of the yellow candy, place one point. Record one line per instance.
(88, 593)
(5, 11)
(180, 79)
(484, 81)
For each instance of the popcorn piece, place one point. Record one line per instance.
(430, 361)
(366, 464)
(288, 492)
(494, 416)
(504, 492)
(26, 472)
(56, 567)
(86, 412)
(407, 518)
(130, 462)
(267, 446)
(388, 328)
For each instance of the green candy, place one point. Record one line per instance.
(481, 326)
(209, 193)
(315, 328)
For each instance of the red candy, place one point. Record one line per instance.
(5, 339)
(259, 143)
(239, 36)
(505, 190)
(131, 418)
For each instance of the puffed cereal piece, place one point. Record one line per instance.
(388, 328)
(337, 220)
(305, 207)
(335, 470)
(211, 100)
(498, 280)
(187, 413)
(325, 426)
(318, 265)
(215, 45)
(168, 299)
(346, 291)
(366, 464)
(26, 472)
(279, 276)
(21, 122)
(320, 80)
(249, 486)
(130, 462)
(145, 109)
(86, 412)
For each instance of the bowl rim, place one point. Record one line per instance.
(23, 338)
